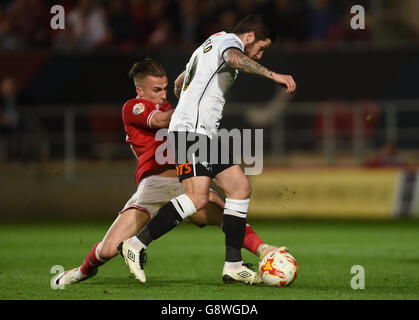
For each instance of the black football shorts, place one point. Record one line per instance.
(198, 155)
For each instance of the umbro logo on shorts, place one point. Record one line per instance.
(206, 165)
(131, 256)
(244, 274)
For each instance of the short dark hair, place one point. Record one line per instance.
(146, 67)
(262, 26)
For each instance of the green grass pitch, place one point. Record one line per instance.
(187, 262)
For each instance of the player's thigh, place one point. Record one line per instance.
(198, 190)
(127, 224)
(234, 183)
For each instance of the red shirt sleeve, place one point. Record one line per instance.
(138, 113)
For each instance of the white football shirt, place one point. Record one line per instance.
(207, 82)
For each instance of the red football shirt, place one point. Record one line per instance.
(137, 115)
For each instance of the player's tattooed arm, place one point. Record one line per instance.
(161, 119)
(238, 60)
(178, 84)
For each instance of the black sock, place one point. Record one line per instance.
(165, 220)
(234, 223)
(234, 228)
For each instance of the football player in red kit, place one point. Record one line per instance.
(157, 183)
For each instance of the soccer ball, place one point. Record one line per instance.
(278, 268)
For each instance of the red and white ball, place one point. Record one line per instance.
(278, 268)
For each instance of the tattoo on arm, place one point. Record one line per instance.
(238, 60)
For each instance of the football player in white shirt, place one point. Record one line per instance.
(203, 86)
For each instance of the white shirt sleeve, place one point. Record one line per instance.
(230, 41)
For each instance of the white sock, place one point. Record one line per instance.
(184, 206)
(79, 274)
(136, 243)
(232, 265)
(98, 248)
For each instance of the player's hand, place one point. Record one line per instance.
(285, 80)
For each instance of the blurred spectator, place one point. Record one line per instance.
(9, 37)
(290, 18)
(162, 34)
(138, 10)
(32, 21)
(190, 23)
(224, 20)
(10, 116)
(409, 15)
(387, 156)
(86, 27)
(161, 28)
(210, 15)
(92, 24)
(122, 27)
(24, 24)
(343, 32)
(10, 125)
(21, 136)
(322, 18)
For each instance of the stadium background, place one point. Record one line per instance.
(355, 111)
(345, 146)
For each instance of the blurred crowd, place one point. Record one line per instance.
(21, 135)
(91, 24)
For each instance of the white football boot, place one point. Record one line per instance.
(242, 274)
(134, 259)
(264, 249)
(72, 276)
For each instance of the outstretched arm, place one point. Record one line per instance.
(238, 60)
(178, 84)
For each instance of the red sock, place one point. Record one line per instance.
(91, 262)
(251, 240)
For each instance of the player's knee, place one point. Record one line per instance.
(241, 191)
(248, 191)
(199, 200)
(244, 191)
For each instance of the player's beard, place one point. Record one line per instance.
(248, 48)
